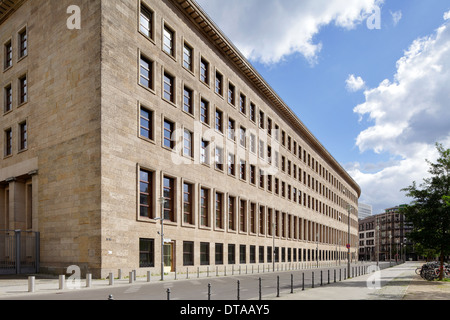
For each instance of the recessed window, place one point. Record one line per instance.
(243, 170)
(188, 100)
(8, 98)
(146, 253)
(204, 111)
(231, 164)
(219, 158)
(231, 129)
(188, 253)
(204, 207)
(169, 198)
(168, 41)
(8, 142)
(219, 120)
(242, 104)
(231, 213)
(219, 84)
(219, 210)
(204, 152)
(188, 203)
(23, 89)
(8, 55)
(145, 22)
(242, 137)
(231, 94)
(252, 112)
(146, 194)
(204, 253)
(23, 138)
(204, 71)
(187, 57)
(169, 87)
(146, 123)
(169, 132)
(23, 43)
(188, 144)
(146, 71)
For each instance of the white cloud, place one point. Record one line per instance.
(270, 30)
(396, 16)
(447, 15)
(409, 115)
(354, 84)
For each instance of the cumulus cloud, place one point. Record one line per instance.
(408, 115)
(270, 30)
(354, 84)
(396, 16)
(447, 15)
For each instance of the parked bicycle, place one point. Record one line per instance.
(430, 271)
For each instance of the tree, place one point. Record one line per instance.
(429, 212)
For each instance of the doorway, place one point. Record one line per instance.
(168, 257)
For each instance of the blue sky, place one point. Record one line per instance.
(382, 128)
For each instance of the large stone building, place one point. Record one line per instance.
(148, 100)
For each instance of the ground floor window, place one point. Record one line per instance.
(188, 253)
(146, 253)
(204, 253)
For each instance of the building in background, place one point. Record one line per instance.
(149, 111)
(364, 210)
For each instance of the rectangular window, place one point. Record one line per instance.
(23, 142)
(231, 164)
(243, 170)
(261, 119)
(242, 254)
(187, 57)
(252, 217)
(23, 43)
(146, 123)
(204, 71)
(204, 207)
(146, 253)
(146, 194)
(231, 213)
(231, 254)
(243, 216)
(145, 22)
(219, 158)
(204, 111)
(231, 129)
(188, 144)
(252, 174)
(231, 94)
(8, 98)
(188, 102)
(219, 253)
(8, 55)
(204, 253)
(252, 112)
(169, 198)
(145, 76)
(8, 142)
(261, 219)
(204, 152)
(168, 41)
(219, 121)
(188, 253)
(169, 139)
(219, 210)
(252, 254)
(23, 90)
(261, 178)
(242, 104)
(169, 87)
(242, 137)
(219, 84)
(188, 203)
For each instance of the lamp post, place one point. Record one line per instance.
(349, 207)
(390, 249)
(273, 245)
(162, 201)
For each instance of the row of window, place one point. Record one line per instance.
(255, 254)
(22, 141)
(169, 43)
(220, 211)
(22, 49)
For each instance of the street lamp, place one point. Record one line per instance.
(162, 201)
(349, 207)
(273, 243)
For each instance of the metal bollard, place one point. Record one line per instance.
(292, 283)
(238, 290)
(303, 281)
(31, 283)
(88, 280)
(260, 289)
(131, 277)
(313, 279)
(111, 279)
(148, 276)
(110, 297)
(62, 280)
(278, 286)
(168, 294)
(321, 278)
(209, 291)
(328, 276)
(120, 274)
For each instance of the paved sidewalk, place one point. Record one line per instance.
(395, 283)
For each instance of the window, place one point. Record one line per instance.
(146, 253)
(204, 71)
(145, 22)
(188, 103)
(187, 57)
(261, 149)
(261, 119)
(261, 178)
(204, 207)
(168, 41)
(188, 253)
(23, 43)
(243, 170)
(252, 143)
(169, 87)
(146, 123)
(242, 104)
(231, 213)
(23, 90)
(252, 217)
(146, 73)
(252, 112)
(219, 84)
(219, 210)
(231, 164)
(219, 158)
(252, 254)
(204, 111)
(146, 194)
(23, 142)
(169, 198)
(242, 254)
(242, 137)
(243, 216)
(188, 203)
(204, 152)
(219, 253)
(169, 128)
(188, 144)
(231, 129)
(252, 174)
(8, 55)
(219, 120)
(8, 142)
(8, 98)
(231, 254)
(231, 94)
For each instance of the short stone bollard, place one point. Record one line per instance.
(62, 280)
(31, 284)
(88, 280)
(131, 277)
(111, 279)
